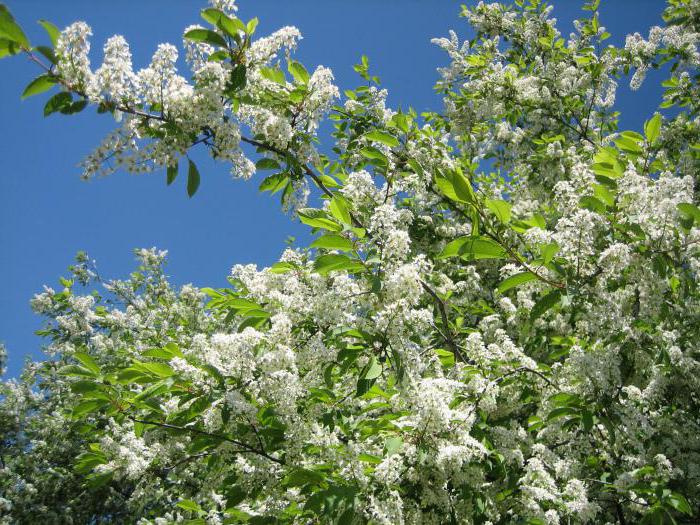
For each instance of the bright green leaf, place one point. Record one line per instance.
(51, 30)
(298, 71)
(333, 242)
(501, 209)
(690, 210)
(372, 369)
(318, 219)
(10, 30)
(341, 209)
(39, 85)
(337, 262)
(474, 248)
(88, 362)
(383, 137)
(516, 280)
(189, 505)
(206, 35)
(652, 128)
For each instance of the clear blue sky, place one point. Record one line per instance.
(47, 213)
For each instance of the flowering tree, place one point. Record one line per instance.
(497, 322)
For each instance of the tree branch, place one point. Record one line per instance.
(244, 446)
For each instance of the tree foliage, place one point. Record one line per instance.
(496, 323)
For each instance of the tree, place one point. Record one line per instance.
(497, 322)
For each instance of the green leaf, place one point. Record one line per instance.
(561, 412)
(8, 47)
(300, 477)
(565, 399)
(88, 362)
(274, 183)
(189, 505)
(373, 153)
(392, 445)
(652, 128)
(341, 209)
(87, 407)
(192, 178)
(251, 26)
(548, 251)
(337, 262)
(48, 53)
(10, 30)
(212, 15)
(690, 210)
(587, 420)
(230, 26)
(282, 267)
(606, 169)
(333, 242)
(501, 209)
(157, 369)
(678, 502)
(372, 369)
(171, 174)
(52, 31)
(57, 103)
(604, 194)
(267, 164)
(75, 371)
(545, 303)
(318, 219)
(383, 137)
(75, 107)
(274, 74)
(592, 203)
(298, 71)
(39, 85)
(474, 248)
(455, 186)
(628, 145)
(206, 35)
(516, 280)
(633, 136)
(238, 78)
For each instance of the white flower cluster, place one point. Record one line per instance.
(497, 322)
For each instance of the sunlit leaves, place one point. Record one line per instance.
(652, 128)
(318, 219)
(206, 36)
(340, 209)
(10, 31)
(500, 208)
(455, 186)
(39, 85)
(326, 264)
(333, 242)
(51, 30)
(474, 248)
(516, 280)
(382, 137)
(298, 72)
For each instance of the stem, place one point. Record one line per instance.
(245, 446)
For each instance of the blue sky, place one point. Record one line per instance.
(47, 213)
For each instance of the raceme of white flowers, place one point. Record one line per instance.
(497, 322)
(181, 107)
